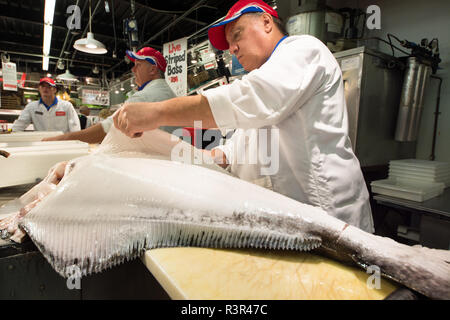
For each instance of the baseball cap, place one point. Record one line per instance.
(50, 81)
(150, 55)
(216, 33)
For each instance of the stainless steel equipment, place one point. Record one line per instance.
(372, 89)
(417, 75)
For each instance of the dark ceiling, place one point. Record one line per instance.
(21, 30)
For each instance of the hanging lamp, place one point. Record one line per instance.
(67, 76)
(89, 44)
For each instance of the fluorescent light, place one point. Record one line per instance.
(47, 39)
(45, 61)
(49, 11)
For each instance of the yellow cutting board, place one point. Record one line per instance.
(201, 273)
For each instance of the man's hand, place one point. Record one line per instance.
(56, 173)
(135, 118)
(54, 138)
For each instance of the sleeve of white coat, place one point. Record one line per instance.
(74, 120)
(107, 123)
(274, 91)
(23, 121)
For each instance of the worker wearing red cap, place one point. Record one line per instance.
(149, 68)
(294, 91)
(48, 113)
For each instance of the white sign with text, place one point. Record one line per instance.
(96, 97)
(176, 72)
(9, 76)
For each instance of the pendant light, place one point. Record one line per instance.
(67, 76)
(89, 44)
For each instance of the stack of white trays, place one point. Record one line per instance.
(414, 179)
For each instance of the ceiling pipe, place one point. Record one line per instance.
(85, 29)
(52, 57)
(194, 7)
(68, 31)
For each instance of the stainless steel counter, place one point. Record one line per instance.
(439, 205)
(429, 220)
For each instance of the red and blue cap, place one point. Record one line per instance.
(50, 81)
(216, 33)
(150, 55)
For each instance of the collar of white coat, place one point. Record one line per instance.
(143, 86)
(55, 102)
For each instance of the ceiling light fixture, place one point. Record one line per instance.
(45, 62)
(67, 76)
(89, 44)
(60, 65)
(49, 12)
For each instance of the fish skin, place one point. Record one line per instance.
(148, 202)
(176, 215)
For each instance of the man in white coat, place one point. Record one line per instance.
(149, 67)
(294, 92)
(48, 113)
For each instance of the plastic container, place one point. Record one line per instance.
(423, 178)
(419, 164)
(28, 136)
(415, 192)
(420, 172)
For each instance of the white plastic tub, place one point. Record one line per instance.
(28, 136)
(26, 164)
(415, 192)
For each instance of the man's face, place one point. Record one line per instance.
(47, 91)
(143, 71)
(246, 37)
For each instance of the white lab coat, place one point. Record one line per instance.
(60, 117)
(299, 92)
(154, 91)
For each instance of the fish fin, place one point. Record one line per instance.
(110, 243)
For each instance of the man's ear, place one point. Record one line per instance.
(154, 70)
(267, 22)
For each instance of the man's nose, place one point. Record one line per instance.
(233, 48)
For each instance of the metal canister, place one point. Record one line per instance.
(411, 102)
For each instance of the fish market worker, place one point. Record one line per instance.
(148, 70)
(48, 113)
(294, 90)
